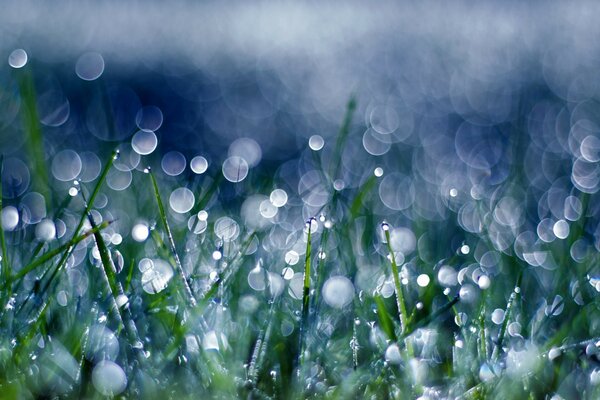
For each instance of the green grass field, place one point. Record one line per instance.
(339, 273)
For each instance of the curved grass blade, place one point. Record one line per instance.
(65, 247)
(400, 302)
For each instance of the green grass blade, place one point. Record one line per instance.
(6, 270)
(305, 290)
(35, 144)
(163, 217)
(53, 253)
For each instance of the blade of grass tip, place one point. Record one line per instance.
(363, 191)
(400, 303)
(163, 217)
(513, 295)
(305, 290)
(342, 136)
(385, 319)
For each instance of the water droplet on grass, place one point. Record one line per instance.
(392, 354)
(554, 353)
(423, 280)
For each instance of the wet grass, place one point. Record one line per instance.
(209, 332)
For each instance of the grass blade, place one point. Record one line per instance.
(163, 217)
(53, 253)
(305, 290)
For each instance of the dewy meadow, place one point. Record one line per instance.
(299, 200)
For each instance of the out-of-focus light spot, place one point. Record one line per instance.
(45, 230)
(339, 184)
(61, 298)
(140, 232)
(66, 165)
(292, 257)
(561, 229)
(392, 354)
(384, 119)
(287, 273)
(149, 118)
(484, 282)
(248, 149)
(34, 208)
(156, 278)
(378, 172)
(423, 280)
(109, 378)
(316, 142)
(498, 316)
(10, 218)
(118, 180)
(465, 249)
(117, 239)
(17, 58)
(182, 200)
(278, 197)
(376, 143)
(144, 142)
(226, 229)
(90, 166)
(202, 215)
(173, 163)
(447, 276)
(89, 66)
(338, 291)
(199, 165)
(453, 192)
(267, 209)
(217, 255)
(235, 169)
(256, 279)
